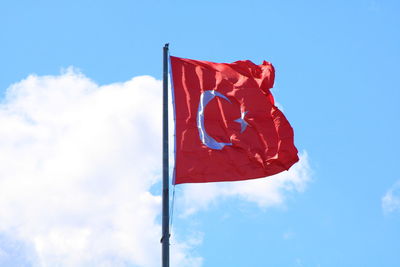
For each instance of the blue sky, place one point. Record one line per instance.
(336, 78)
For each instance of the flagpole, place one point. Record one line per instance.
(165, 186)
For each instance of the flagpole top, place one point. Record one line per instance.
(166, 45)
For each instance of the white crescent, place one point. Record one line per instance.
(205, 138)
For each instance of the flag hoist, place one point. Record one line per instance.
(165, 185)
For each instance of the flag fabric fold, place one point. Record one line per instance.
(227, 125)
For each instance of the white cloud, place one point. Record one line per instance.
(289, 234)
(265, 192)
(78, 161)
(391, 200)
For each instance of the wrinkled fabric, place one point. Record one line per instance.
(259, 145)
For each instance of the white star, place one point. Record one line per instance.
(242, 122)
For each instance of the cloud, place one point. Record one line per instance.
(78, 172)
(78, 162)
(265, 192)
(391, 200)
(289, 234)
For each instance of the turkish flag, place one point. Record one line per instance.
(227, 126)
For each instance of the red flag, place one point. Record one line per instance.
(227, 126)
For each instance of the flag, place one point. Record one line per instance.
(227, 127)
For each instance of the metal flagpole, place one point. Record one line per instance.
(165, 187)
